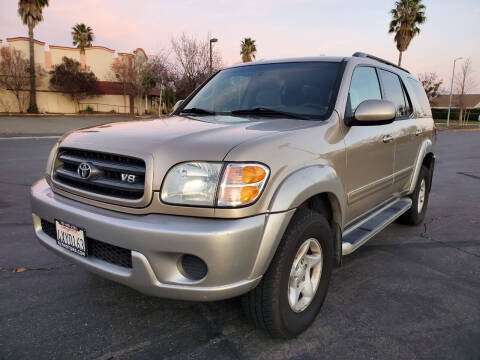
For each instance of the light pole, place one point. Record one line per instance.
(160, 99)
(211, 41)
(451, 89)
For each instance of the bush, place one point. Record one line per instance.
(88, 110)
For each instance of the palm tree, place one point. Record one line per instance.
(248, 49)
(31, 13)
(82, 37)
(406, 15)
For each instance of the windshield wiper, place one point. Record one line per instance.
(198, 111)
(268, 112)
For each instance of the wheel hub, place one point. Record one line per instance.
(421, 196)
(305, 275)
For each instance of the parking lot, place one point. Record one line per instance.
(411, 292)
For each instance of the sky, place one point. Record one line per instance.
(281, 28)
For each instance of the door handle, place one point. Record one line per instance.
(418, 132)
(387, 138)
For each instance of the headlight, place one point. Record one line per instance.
(51, 160)
(192, 183)
(199, 184)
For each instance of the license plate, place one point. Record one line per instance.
(71, 237)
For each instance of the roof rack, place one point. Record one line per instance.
(368, 56)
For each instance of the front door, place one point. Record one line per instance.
(370, 150)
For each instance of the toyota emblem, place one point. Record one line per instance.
(84, 170)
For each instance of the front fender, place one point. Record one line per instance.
(307, 182)
(293, 192)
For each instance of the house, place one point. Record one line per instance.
(471, 106)
(471, 101)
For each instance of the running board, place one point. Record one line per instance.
(364, 230)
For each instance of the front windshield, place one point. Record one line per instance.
(300, 88)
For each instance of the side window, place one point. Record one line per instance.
(421, 98)
(364, 86)
(393, 91)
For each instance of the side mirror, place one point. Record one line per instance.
(374, 112)
(177, 104)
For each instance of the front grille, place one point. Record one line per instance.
(112, 175)
(97, 249)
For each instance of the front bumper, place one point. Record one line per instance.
(231, 248)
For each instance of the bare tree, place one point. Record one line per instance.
(161, 66)
(135, 74)
(162, 72)
(15, 75)
(431, 83)
(122, 73)
(191, 63)
(464, 82)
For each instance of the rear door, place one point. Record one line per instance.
(404, 128)
(370, 150)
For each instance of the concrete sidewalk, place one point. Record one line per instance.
(51, 125)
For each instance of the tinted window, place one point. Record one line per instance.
(364, 86)
(393, 90)
(407, 100)
(421, 97)
(301, 88)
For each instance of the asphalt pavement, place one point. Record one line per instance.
(410, 293)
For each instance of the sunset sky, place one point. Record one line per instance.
(281, 28)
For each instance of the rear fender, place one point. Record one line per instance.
(425, 148)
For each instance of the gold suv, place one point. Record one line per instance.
(256, 185)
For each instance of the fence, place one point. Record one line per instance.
(106, 108)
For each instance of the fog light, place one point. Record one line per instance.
(193, 267)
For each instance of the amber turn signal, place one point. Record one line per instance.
(241, 184)
(253, 174)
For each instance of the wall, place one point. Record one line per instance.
(58, 52)
(99, 60)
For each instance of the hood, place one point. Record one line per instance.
(169, 141)
(203, 137)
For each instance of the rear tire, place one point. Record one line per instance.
(271, 305)
(416, 214)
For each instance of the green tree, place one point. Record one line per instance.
(31, 13)
(82, 37)
(248, 49)
(406, 16)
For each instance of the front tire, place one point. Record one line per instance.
(416, 214)
(293, 289)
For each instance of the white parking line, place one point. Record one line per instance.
(30, 137)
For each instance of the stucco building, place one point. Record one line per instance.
(98, 59)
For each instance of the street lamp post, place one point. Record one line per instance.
(211, 41)
(451, 89)
(160, 99)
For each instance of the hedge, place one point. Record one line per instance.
(473, 114)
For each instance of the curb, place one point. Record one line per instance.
(68, 115)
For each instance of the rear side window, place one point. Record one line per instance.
(421, 97)
(393, 90)
(364, 86)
